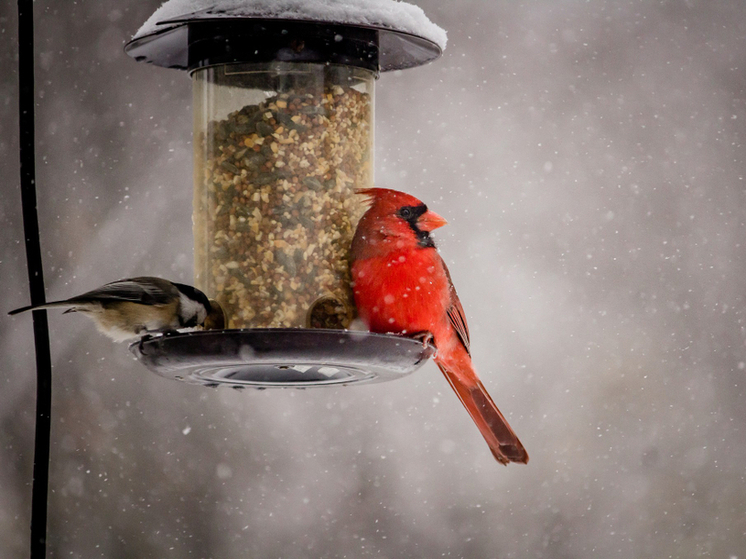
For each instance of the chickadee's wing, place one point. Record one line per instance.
(143, 290)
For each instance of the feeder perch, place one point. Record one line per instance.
(283, 136)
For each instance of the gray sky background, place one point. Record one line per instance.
(589, 158)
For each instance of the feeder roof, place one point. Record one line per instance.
(402, 26)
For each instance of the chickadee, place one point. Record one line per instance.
(134, 307)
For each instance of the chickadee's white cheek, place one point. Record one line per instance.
(190, 308)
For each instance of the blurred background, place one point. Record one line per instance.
(590, 159)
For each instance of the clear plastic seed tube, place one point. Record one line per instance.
(280, 149)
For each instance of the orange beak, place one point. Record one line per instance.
(429, 221)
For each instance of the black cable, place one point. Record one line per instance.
(26, 100)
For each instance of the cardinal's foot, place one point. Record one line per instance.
(426, 337)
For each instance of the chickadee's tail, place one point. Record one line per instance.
(44, 306)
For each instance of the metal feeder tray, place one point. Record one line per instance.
(281, 357)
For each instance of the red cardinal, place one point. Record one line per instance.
(402, 286)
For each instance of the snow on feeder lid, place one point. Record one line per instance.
(283, 136)
(400, 33)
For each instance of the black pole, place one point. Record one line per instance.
(36, 279)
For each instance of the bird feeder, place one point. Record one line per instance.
(283, 137)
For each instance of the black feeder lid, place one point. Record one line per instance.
(202, 39)
(281, 357)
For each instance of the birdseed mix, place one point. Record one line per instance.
(276, 210)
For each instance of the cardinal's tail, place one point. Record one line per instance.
(501, 439)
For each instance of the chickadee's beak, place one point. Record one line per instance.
(429, 221)
(215, 318)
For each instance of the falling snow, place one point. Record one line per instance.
(589, 157)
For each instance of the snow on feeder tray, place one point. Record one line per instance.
(283, 136)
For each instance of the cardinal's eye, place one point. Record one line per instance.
(406, 213)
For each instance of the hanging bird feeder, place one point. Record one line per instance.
(283, 137)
